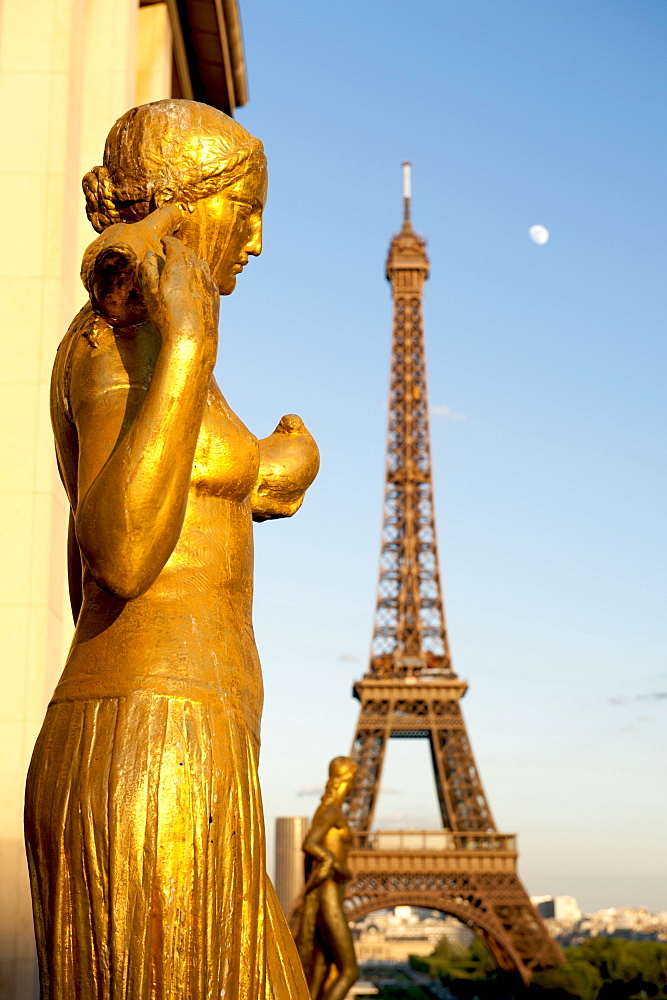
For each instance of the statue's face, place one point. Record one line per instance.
(226, 228)
(343, 783)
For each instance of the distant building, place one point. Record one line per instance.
(569, 926)
(634, 923)
(394, 935)
(562, 908)
(290, 834)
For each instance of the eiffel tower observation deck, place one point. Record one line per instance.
(410, 690)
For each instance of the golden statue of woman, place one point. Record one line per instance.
(143, 815)
(319, 924)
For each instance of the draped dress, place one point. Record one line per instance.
(144, 823)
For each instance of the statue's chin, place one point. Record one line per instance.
(227, 284)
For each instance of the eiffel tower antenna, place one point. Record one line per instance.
(410, 690)
(407, 192)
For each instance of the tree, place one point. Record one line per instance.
(577, 978)
(600, 968)
(453, 961)
(610, 969)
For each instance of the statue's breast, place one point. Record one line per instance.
(226, 461)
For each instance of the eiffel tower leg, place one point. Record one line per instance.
(456, 774)
(368, 750)
(527, 931)
(499, 954)
(444, 797)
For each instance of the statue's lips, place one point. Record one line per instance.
(237, 268)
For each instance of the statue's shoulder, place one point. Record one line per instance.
(82, 326)
(326, 814)
(94, 359)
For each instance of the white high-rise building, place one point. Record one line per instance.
(290, 835)
(562, 908)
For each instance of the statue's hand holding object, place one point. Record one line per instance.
(110, 266)
(289, 460)
(181, 298)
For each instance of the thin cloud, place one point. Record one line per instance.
(637, 723)
(408, 821)
(649, 696)
(306, 790)
(451, 416)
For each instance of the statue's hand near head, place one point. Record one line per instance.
(110, 266)
(181, 298)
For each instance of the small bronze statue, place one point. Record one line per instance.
(319, 923)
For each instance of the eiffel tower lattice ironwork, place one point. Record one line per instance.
(467, 868)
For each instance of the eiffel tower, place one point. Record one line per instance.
(466, 869)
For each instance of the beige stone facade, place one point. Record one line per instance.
(392, 936)
(68, 69)
(372, 947)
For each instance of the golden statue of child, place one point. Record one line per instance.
(143, 816)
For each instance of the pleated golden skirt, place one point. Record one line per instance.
(146, 851)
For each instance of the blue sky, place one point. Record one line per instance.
(549, 471)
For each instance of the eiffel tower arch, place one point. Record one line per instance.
(410, 691)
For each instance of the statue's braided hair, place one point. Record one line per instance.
(171, 150)
(100, 203)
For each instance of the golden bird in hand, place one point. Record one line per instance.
(289, 460)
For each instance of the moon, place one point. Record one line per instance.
(539, 235)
